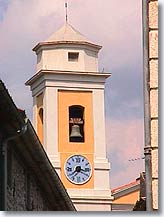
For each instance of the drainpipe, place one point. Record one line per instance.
(147, 121)
(4, 164)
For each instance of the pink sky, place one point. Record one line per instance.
(114, 24)
(125, 144)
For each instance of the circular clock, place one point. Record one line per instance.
(78, 169)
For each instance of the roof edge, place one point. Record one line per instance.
(41, 72)
(125, 187)
(41, 44)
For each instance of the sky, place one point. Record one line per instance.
(114, 24)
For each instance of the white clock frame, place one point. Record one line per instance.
(65, 171)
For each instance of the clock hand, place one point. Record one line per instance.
(77, 169)
(84, 173)
(85, 170)
(74, 175)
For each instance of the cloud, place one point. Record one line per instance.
(125, 141)
(24, 24)
(116, 25)
(27, 20)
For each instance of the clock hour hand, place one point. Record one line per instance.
(74, 175)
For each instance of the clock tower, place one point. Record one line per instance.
(68, 115)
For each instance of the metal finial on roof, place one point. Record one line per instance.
(66, 15)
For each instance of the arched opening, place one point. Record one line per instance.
(76, 123)
(40, 124)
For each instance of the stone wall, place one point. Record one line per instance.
(153, 67)
(23, 191)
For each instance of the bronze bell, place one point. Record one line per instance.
(75, 132)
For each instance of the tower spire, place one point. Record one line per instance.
(66, 14)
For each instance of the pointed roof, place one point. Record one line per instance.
(67, 34)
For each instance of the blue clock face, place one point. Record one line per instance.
(78, 169)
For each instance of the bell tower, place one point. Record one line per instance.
(68, 115)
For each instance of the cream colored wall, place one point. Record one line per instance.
(91, 60)
(39, 61)
(99, 124)
(56, 58)
(50, 104)
(153, 66)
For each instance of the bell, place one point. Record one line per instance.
(75, 132)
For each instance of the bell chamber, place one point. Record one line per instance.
(76, 123)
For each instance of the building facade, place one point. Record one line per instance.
(126, 196)
(28, 181)
(153, 67)
(150, 33)
(68, 108)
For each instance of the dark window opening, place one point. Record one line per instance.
(73, 56)
(76, 123)
(41, 115)
(40, 125)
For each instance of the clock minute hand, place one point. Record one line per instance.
(84, 173)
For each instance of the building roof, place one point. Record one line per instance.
(32, 151)
(125, 189)
(67, 34)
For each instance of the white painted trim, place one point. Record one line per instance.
(51, 120)
(35, 113)
(100, 193)
(99, 124)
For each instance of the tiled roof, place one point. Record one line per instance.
(126, 186)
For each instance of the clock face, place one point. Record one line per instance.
(78, 169)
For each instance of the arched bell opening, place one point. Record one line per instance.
(40, 124)
(76, 123)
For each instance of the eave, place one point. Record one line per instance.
(43, 44)
(32, 152)
(126, 189)
(61, 72)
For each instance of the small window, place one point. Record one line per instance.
(73, 56)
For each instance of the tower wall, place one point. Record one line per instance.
(67, 75)
(57, 58)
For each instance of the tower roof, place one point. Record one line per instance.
(67, 34)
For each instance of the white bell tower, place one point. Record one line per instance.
(68, 106)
